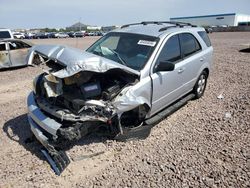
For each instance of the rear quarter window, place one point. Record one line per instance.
(205, 37)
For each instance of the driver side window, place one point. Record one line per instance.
(171, 51)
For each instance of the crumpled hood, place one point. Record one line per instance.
(76, 60)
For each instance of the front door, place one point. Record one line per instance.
(18, 52)
(168, 86)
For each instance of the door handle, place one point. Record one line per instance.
(181, 70)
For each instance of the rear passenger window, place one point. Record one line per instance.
(205, 37)
(16, 45)
(189, 44)
(171, 51)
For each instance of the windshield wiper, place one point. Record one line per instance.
(119, 57)
(103, 53)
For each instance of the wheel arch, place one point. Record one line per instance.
(207, 71)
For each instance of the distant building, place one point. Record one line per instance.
(94, 28)
(19, 30)
(231, 19)
(109, 28)
(34, 30)
(77, 27)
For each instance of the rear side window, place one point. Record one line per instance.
(171, 51)
(4, 34)
(189, 44)
(205, 37)
(14, 45)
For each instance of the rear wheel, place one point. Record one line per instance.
(200, 85)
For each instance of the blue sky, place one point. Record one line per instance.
(62, 13)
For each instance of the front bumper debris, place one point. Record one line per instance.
(40, 119)
(40, 124)
(50, 132)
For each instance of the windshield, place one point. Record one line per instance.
(131, 50)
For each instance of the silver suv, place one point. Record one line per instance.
(121, 85)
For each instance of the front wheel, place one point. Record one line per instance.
(200, 85)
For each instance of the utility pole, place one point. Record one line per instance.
(80, 24)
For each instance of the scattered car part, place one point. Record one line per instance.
(220, 96)
(58, 160)
(87, 156)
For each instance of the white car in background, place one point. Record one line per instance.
(61, 35)
(18, 35)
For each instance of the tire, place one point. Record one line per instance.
(200, 85)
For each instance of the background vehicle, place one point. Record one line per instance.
(18, 35)
(71, 34)
(29, 35)
(6, 34)
(78, 34)
(60, 35)
(13, 53)
(91, 34)
(40, 36)
(123, 84)
(209, 29)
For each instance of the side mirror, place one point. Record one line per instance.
(165, 66)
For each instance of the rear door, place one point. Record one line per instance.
(4, 55)
(192, 59)
(18, 52)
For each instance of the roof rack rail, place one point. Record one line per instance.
(179, 24)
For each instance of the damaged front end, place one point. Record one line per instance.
(80, 93)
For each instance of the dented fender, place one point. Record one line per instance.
(133, 96)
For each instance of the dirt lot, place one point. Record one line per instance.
(204, 144)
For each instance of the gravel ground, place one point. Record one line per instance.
(204, 144)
